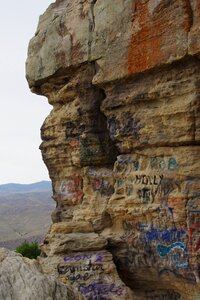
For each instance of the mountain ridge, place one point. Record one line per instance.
(43, 185)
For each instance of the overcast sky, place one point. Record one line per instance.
(21, 112)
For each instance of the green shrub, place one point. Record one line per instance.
(29, 250)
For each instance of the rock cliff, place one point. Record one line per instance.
(122, 145)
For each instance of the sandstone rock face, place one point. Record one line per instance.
(22, 279)
(122, 145)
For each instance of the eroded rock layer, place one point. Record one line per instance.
(122, 145)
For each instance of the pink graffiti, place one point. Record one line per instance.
(72, 189)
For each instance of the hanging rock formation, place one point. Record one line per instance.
(122, 145)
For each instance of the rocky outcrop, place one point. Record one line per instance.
(21, 279)
(122, 145)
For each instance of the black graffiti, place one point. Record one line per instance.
(145, 195)
(148, 180)
(113, 126)
(77, 277)
(64, 269)
(131, 126)
(101, 289)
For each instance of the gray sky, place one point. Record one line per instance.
(21, 112)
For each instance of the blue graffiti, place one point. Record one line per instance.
(172, 165)
(98, 288)
(154, 163)
(160, 163)
(165, 235)
(165, 250)
(136, 165)
(99, 258)
(183, 265)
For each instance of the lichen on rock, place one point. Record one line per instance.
(121, 145)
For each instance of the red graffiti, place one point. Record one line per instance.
(71, 188)
(197, 246)
(194, 248)
(97, 184)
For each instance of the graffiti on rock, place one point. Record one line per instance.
(129, 126)
(163, 164)
(194, 238)
(164, 250)
(165, 235)
(113, 126)
(136, 165)
(102, 186)
(71, 189)
(163, 246)
(96, 257)
(82, 266)
(80, 271)
(176, 252)
(101, 289)
(99, 173)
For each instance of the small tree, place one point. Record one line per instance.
(29, 250)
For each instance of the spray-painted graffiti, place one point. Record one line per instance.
(154, 187)
(136, 165)
(95, 148)
(128, 127)
(102, 186)
(165, 235)
(156, 164)
(168, 243)
(96, 289)
(163, 164)
(194, 238)
(71, 189)
(80, 271)
(113, 126)
(96, 257)
(131, 126)
(176, 254)
(164, 250)
(82, 266)
(148, 180)
(173, 247)
(122, 164)
(99, 173)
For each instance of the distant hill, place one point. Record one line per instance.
(25, 212)
(32, 187)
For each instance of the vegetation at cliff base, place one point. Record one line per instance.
(31, 250)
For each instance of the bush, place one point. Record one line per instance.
(29, 250)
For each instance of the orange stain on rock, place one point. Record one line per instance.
(145, 45)
(156, 38)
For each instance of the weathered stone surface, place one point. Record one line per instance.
(122, 145)
(22, 279)
(147, 33)
(92, 273)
